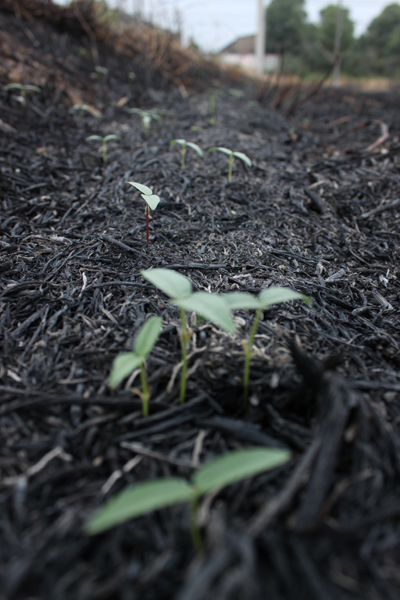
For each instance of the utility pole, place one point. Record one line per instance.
(259, 49)
(338, 42)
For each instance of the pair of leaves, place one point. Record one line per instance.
(272, 295)
(145, 497)
(212, 307)
(127, 362)
(23, 88)
(232, 154)
(191, 145)
(151, 199)
(104, 140)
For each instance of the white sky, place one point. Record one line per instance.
(215, 23)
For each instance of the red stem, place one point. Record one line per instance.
(147, 222)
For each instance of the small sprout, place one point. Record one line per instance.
(231, 157)
(23, 89)
(146, 117)
(131, 76)
(236, 93)
(142, 498)
(103, 140)
(212, 307)
(124, 364)
(243, 300)
(101, 71)
(151, 201)
(196, 128)
(184, 144)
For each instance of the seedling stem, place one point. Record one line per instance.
(145, 391)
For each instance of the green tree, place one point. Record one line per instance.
(381, 33)
(327, 28)
(286, 21)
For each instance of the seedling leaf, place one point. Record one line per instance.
(123, 366)
(221, 149)
(241, 300)
(243, 157)
(147, 336)
(210, 306)
(196, 148)
(142, 188)
(94, 138)
(152, 200)
(182, 142)
(274, 295)
(138, 500)
(173, 284)
(110, 137)
(236, 466)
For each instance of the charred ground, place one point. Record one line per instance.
(318, 212)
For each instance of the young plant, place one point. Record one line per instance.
(184, 144)
(243, 300)
(103, 140)
(23, 89)
(212, 307)
(142, 498)
(231, 157)
(127, 362)
(151, 201)
(146, 117)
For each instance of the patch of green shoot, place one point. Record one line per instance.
(103, 71)
(151, 200)
(124, 364)
(231, 157)
(266, 298)
(184, 144)
(146, 117)
(103, 140)
(23, 89)
(142, 498)
(210, 306)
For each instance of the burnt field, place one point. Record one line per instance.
(318, 212)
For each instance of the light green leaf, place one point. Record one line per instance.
(243, 157)
(196, 148)
(110, 137)
(14, 86)
(173, 284)
(94, 138)
(237, 465)
(152, 200)
(138, 500)
(134, 111)
(274, 295)
(123, 366)
(210, 306)
(182, 142)
(142, 188)
(147, 336)
(241, 300)
(221, 149)
(32, 88)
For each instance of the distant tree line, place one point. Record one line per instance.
(309, 47)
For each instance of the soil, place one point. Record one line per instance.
(317, 212)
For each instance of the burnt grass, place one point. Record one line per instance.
(318, 212)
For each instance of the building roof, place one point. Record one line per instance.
(243, 45)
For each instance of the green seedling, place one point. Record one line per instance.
(103, 140)
(23, 89)
(184, 144)
(142, 498)
(212, 307)
(231, 157)
(147, 116)
(103, 71)
(151, 201)
(124, 364)
(243, 300)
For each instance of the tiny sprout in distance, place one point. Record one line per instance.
(142, 498)
(184, 144)
(124, 364)
(103, 140)
(23, 89)
(231, 157)
(151, 200)
(146, 117)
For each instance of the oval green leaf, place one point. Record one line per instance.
(110, 137)
(94, 138)
(210, 306)
(196, 148)
(152, 200)
(142, 188)
(221, 149)
(138, 500)
(173, 284)
(241, 300)
(123, 366)
(275, 295)
(243, 157)
(182, 142)
(237, 465)
(147, 336)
